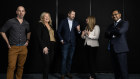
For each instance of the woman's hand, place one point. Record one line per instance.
(83, 33)
(45, 50)
(87, 32)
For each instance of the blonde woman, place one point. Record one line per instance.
(46, 37)
(91, 35)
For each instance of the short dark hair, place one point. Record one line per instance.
(71, 10)
(116, 10)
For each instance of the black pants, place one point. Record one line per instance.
(91, 53)
(119, 61)
(47, 60)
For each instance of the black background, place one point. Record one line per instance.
(101, 9)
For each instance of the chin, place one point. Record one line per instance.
(115, 19)
(21, 17)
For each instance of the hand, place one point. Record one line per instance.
(88, 32)
(9, 46)
(62, 41)
(26, 44)
(78, 28)
(83, 33)
(118, 28)
(45, 50)
(113, 36)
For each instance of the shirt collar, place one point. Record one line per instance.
(18, 21)
(69, 19)
(118, 20)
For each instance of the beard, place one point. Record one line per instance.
(20, 16)
(72, 18)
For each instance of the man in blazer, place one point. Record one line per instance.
(66, 32)
(118, 47)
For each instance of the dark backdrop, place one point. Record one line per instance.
(101, 9)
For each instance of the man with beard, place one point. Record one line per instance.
(17, 42)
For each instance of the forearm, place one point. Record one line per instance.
(116, 33)
(83, 36)
(28, 36)
(95, 37)
(95, 34)
(5, 37)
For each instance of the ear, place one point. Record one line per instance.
(16, 12)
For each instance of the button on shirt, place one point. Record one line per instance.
(17, 32)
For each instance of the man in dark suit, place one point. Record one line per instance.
(116, 33)
(66, 32)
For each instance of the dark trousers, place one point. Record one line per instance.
(119, 61)
(91, 53)
(47, 60)
(67, 55)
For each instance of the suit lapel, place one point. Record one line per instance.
(118, 25)
(72, 25)
(67, 26)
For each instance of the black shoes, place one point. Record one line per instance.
(69, 75)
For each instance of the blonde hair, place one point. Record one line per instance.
(91, 23)
(42, 17)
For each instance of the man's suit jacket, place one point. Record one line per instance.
(117, 36)
(64, 32)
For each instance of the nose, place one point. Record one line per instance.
(113, 15)
(20, 12)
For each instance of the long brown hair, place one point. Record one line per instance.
(91, 23)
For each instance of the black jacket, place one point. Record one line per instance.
(43, 36)
(119, 42)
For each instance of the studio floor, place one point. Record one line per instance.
(75, 76)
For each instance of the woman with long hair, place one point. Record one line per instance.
(91, 36)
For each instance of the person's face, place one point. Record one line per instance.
(20, 12)
(71, 15)
(46, 18)
(116, 16)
